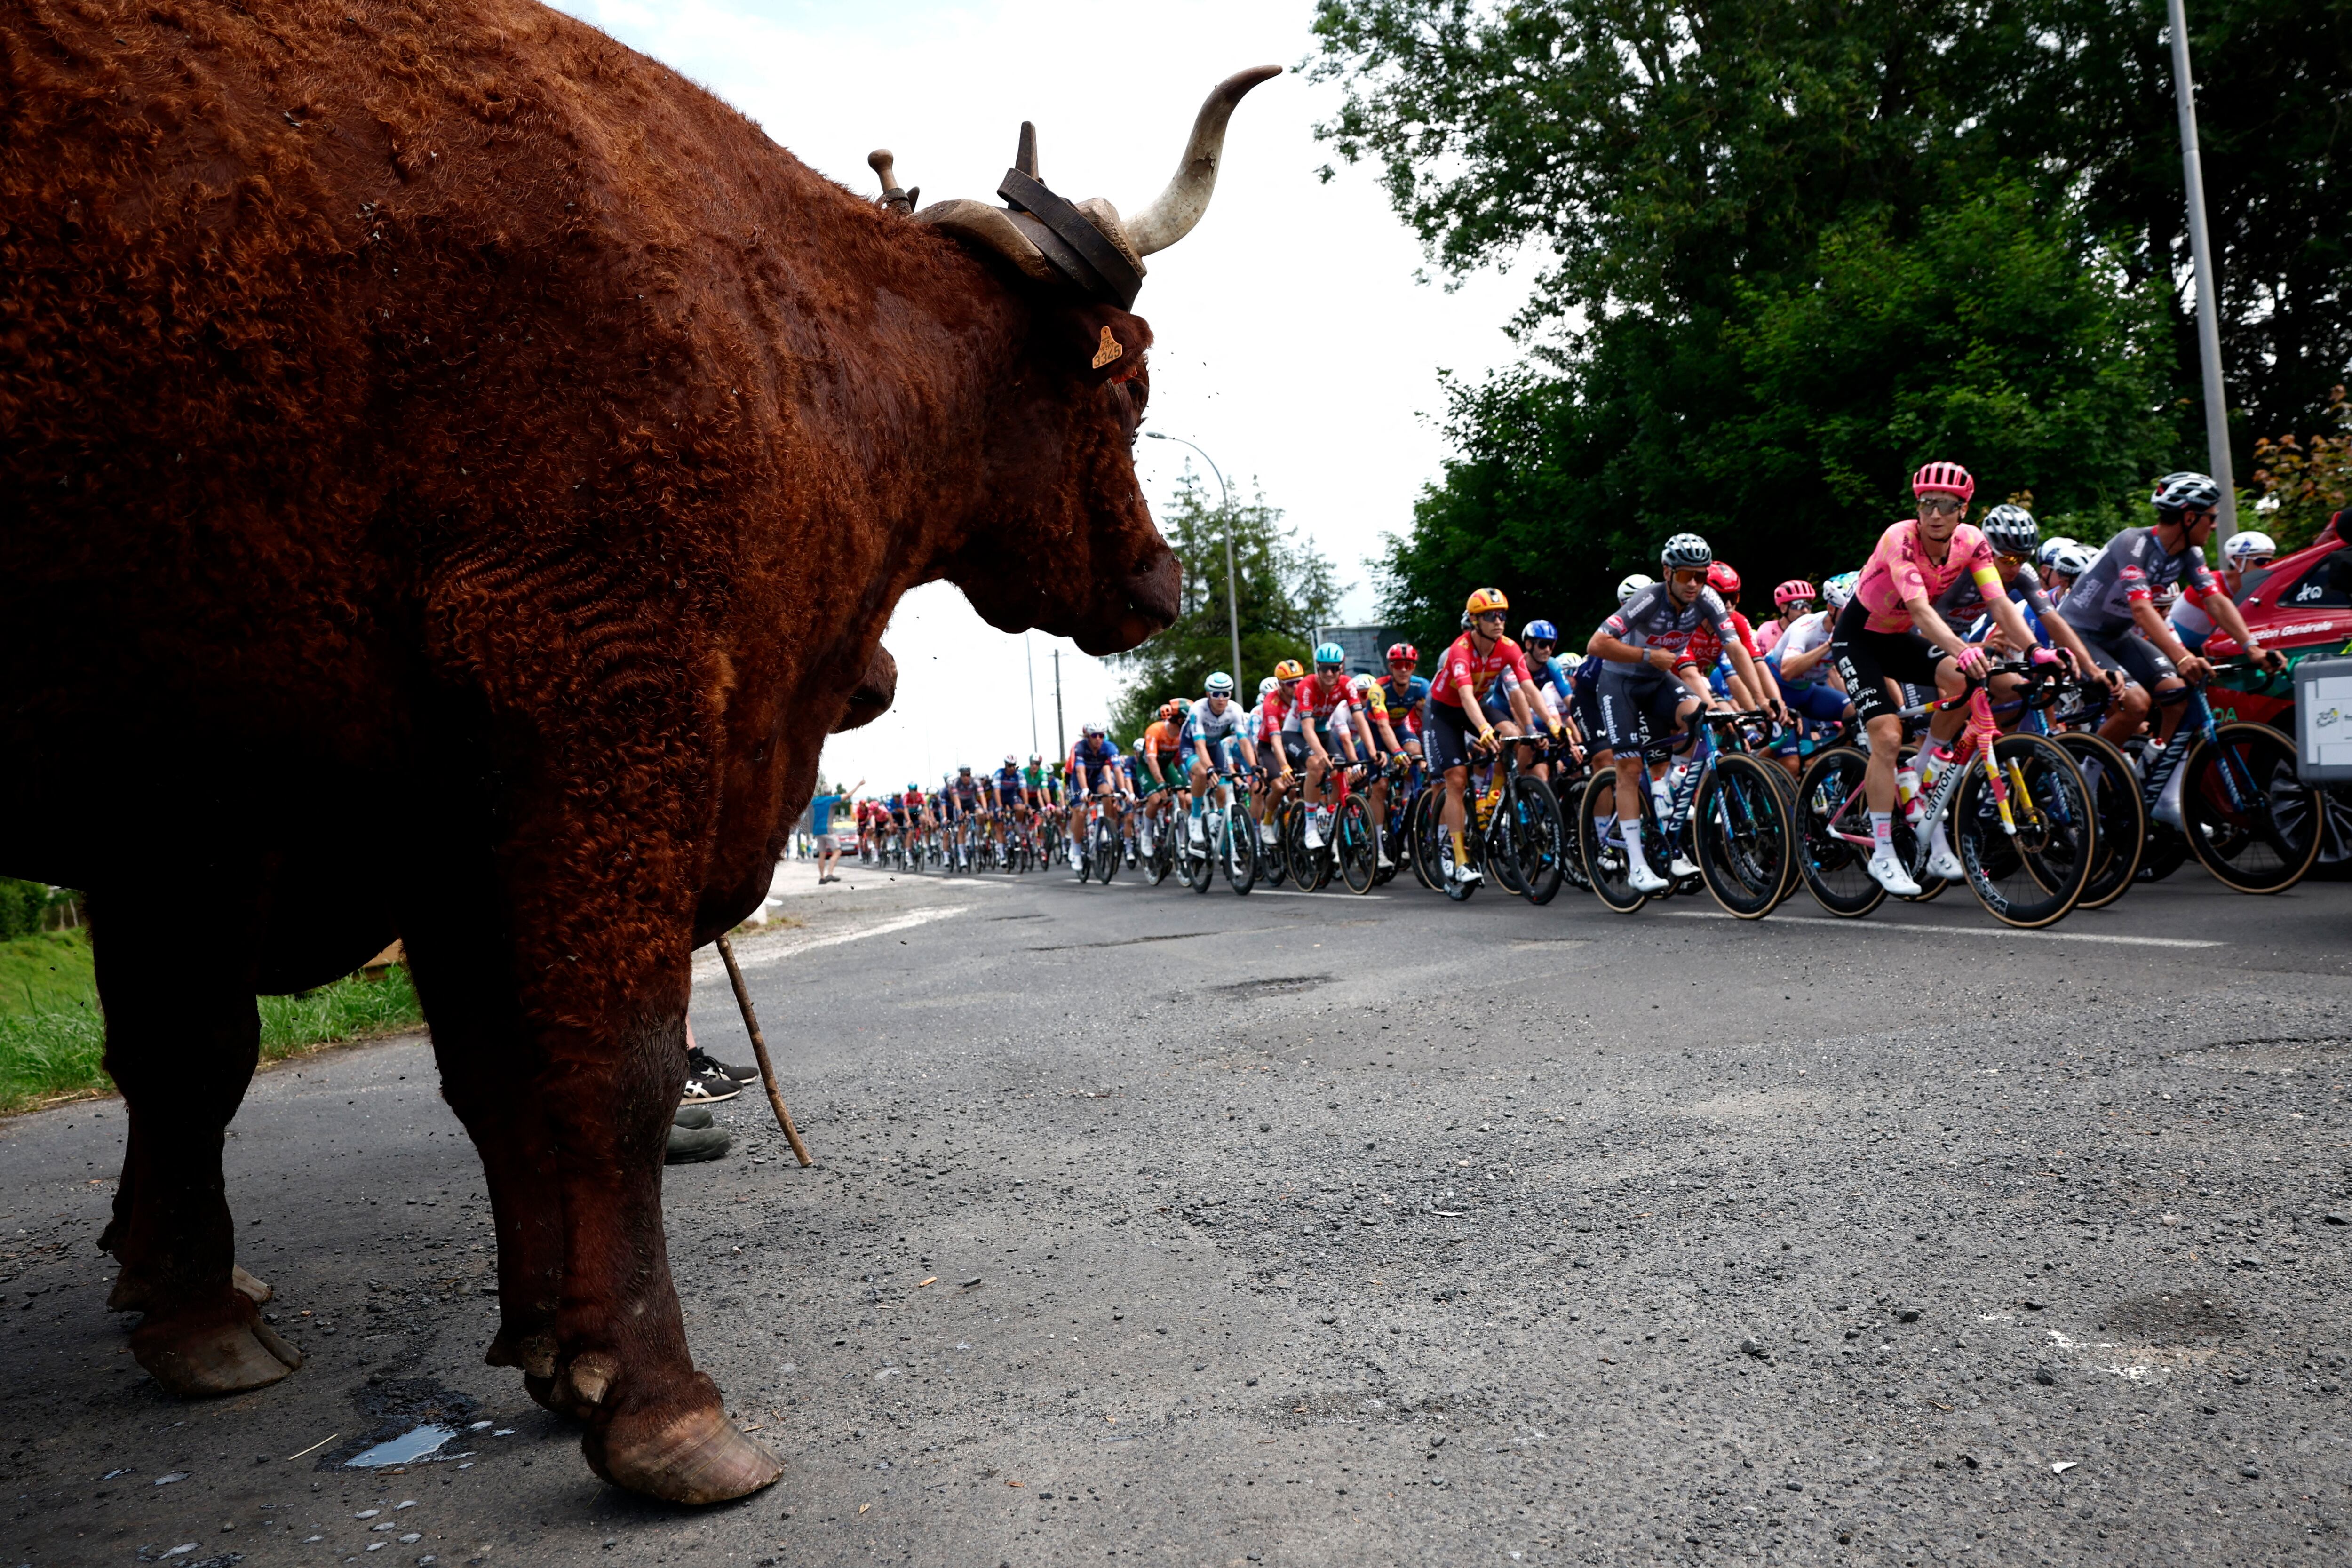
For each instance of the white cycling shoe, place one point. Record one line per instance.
(1889, 873)
(1679, 867)
(1314, 840)
(1199, 836)
(1265, 834)
(1942, 862)
(1642, 879)
(1464, 872)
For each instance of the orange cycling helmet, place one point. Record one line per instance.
(1290, 669)
(1487, 602)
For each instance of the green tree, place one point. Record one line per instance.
(1789, 248)
(1287, 589)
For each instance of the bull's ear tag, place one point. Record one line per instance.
(1108, 350)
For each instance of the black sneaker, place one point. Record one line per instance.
(708, 1083)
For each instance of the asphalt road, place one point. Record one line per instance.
(1332, 1230)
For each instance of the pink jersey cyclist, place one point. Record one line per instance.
(1900, 571)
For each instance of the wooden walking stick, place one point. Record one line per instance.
(760, 1050)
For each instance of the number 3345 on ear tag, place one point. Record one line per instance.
(1108, 350)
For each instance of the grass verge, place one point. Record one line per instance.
(51, 1049)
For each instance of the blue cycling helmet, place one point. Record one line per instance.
(1540, 631)
(1330, 653)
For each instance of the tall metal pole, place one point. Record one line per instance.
(1029, 653)
(1232, 596)
(2209, 301)
(1061, 739)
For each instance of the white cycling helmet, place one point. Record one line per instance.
(2051, 546)
(1633, 585)
(1219, 684)
(1268, 685)
(1839, 590)
(2247, 543)
(2071, 561)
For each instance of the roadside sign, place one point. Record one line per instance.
(2323, 708)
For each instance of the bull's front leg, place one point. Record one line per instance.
(561, 1029)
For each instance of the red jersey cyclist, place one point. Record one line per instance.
(1320, 704)
(1481, 655)
(1890, 631)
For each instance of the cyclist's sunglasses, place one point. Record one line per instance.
(1940, 504)
(1404, 664)
(2256, 563)
(1796, 607)
(1694, 576)
(1541, 642)
(2006, 559)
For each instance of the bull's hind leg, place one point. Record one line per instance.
(182, 1038)
(488, 1068)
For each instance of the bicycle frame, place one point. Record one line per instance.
(1976, 739)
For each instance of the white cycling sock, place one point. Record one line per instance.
(1631, 826)
(1882, 830)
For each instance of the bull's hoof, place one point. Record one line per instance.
(695, 1458)
(132, 1294)
(199, 1362)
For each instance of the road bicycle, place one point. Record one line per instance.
(2066, 711)
(2238, 806)
(1228, 841)
(2024, 827)
(1513, 827)
(1724, 810)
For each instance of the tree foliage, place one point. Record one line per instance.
(1287, 589)
(1789, 248)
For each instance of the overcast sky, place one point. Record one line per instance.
(1291, 338)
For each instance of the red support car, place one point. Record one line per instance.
(2303, 607)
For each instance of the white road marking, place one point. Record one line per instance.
(1867, 924)
(777, 949)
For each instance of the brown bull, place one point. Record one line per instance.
(456, 473)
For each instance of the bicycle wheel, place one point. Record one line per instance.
(1110, 847)
(1162, 858)
(1238, 842)
(2250, 822)
(1425, 829)
(1351, 845)
(1830, 816)
(1604, 855)
(2122, 815)
(1740, 835)
(2033, 877)
(1539, 840)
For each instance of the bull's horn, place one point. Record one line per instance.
(1172, 214)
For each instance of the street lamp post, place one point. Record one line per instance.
(1233, 598)
(2208, 299)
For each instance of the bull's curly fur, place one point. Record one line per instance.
(456, 473)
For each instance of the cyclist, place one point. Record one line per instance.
(1890, 631)
(1012, 801)
(1790, 601)
(1405, 694)
(2246, 551)
(1095, 776)
(1278, 740)
(2113, 604)
(1724, 679)
(1655, 648)
(1319, 706)
(1554, 694)
(1479, 656)
(1379, 731)
(1216, 734)
(2015, 537)
(1799, 658)
(1158, 751)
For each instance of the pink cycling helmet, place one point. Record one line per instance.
(1949, 478)
(1794, 589)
